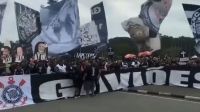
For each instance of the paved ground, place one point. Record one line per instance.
(179, 91)
(115, 102)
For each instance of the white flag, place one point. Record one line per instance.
(15, 91)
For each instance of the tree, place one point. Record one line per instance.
(123, 45)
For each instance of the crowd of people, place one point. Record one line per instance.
(83, 71)
(151, 61)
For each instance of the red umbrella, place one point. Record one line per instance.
(130, 56)
(145, 53)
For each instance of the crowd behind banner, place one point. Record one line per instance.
(89, 78)
(83, 71)
(31, 77)
(16, 62)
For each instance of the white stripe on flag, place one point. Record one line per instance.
(189, 14)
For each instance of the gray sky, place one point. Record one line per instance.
(117, 11)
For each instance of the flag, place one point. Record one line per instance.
(2, 10)
(60, 26)
(98, 16)
(15, 91)
(153, 12)
(193, 16)
(89, 34)
(93, 35)
(27, 21)
(89, 41)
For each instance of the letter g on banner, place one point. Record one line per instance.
(51, 87)
(56, 89)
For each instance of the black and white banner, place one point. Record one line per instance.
(51, 87)
(89, 41)
(21, 90)
(27, 23)
(83, 55)
(3, 4)
(193, 16)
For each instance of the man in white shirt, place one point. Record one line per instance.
(61, 67)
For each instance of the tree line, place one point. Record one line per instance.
(170, 46)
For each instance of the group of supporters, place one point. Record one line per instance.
(83, 72)
(150, 61)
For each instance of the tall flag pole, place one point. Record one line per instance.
(193, 16)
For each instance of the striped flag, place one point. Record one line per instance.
(193, 16)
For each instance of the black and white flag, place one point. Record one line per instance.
(99, 17)
(153, 12)
(60, 26)
(193, 15)
(27, 23)
(89, 34)
(3, 4)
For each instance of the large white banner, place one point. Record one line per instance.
(15, 91)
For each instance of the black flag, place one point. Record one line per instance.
(98, 16)
(193, 15)
(28, 24)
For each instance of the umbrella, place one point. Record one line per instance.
(145, 54)
(130, 56)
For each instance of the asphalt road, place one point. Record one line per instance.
(181, 91)
(114, 102)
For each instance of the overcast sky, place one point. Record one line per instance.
(117, 11)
